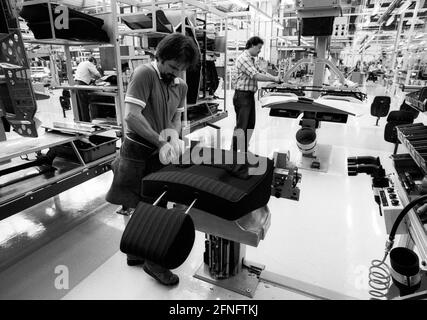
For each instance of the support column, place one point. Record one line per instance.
(321, 44)
(410, 34)
(394, 59)
(71, 83)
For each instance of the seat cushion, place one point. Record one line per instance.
(40, 13)
(163, 236)
(77, 31)
(405, 117)
(390, 133)
(380, 106)
(396, 118)
(406, 107)
(218, 190)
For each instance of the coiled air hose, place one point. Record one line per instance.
(379, 272)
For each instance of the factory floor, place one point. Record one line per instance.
(67, 247)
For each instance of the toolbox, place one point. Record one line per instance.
(104, 146)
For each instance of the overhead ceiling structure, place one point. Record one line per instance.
(363, 25)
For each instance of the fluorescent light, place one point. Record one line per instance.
(415, 21)
(376, 9)
(305, 42)
(404, 6)
(390, 21)
(244, 3)
(241, 3)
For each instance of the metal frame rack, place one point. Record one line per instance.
(21, 195)
(417, 232)
(23, 191)
(111, 90)
(150, 6)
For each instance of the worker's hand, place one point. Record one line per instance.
(167, 154)
(178, 145)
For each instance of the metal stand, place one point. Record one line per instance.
(285, 178)
(224, 266)
(225, 247)
(319, 160)
(320, 61)
(396, 146)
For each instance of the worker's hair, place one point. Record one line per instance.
(254, 41)
(92, 59)
(178, 47)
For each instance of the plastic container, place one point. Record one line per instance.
(104, 146)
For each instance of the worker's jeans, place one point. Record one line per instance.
(244, 105)
(83, 102)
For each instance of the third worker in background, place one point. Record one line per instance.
(86, 72)
(248, 75)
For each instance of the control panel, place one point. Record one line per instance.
(391, 206)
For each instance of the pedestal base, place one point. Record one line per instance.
(322, 155)
(245, 282)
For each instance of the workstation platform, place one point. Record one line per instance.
(29, 185)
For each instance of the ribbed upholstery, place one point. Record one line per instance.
(163, 236)
(217, 191)
(201, 183)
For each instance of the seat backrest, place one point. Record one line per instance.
(66, 93)
(396, 118)
(406, 107)
(401, 116)
(380, 106)
(65, 103)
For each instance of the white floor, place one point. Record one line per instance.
(326, 240)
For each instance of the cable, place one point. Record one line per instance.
(379, 278)
(379, 272)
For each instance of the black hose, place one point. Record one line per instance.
(363, 160)
(353, 169)
(403, 213)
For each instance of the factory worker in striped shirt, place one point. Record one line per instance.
(248, 75)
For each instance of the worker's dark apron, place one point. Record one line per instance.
(136, 159)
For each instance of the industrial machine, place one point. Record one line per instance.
(401, 199)
(318, 102)
(286, 177)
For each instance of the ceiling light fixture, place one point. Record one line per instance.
(390, 21)
(404, 6)
(241, 3)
